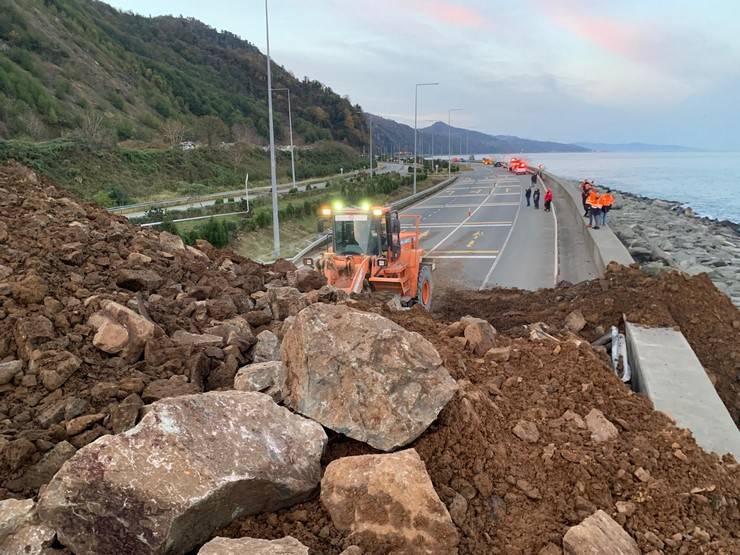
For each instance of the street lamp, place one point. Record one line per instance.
(290, 125)
(273, 170)
(449, 140)
(416, 105)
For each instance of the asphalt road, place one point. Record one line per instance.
(481, 234)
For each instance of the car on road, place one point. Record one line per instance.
(518, 166)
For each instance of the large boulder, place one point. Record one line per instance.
(362, 375)
(252, 546)
(121, 331)
(599, 533)
(387, 502)
(267, 348)
(193, 464)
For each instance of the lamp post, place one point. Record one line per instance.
(273, 171)
(290, 126)
(449, 140)
(416, 105)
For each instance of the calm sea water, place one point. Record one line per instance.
(709, 182)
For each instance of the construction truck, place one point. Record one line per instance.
(488, 161)
(370, 251)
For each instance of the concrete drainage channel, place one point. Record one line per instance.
(657, 362)
(397, 205)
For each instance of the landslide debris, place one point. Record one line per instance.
(98, 317)
(706, 316)
(533, 445)
(538, 437)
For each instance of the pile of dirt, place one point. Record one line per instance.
(705, 315)
(524, 493)
(535, 440)
(60, 262)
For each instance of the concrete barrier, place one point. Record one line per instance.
(668, 372)
(603, 244)
(396, 205)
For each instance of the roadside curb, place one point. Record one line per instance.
(604, 245)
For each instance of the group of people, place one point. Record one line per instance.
(533, 193)
(595, 205)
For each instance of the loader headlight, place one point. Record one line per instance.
(377, 211)
(326, 211)
(381, 262)
(308, 261)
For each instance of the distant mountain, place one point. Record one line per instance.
(390, 136)
(635, 147)
(84, 66)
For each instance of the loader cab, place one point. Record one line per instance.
(371, 232)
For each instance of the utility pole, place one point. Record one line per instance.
(246, 190)
(416, 106)
(273, 169)
(449, 140)
(371, 149)
(290, 126)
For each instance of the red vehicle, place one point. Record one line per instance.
(518, 166)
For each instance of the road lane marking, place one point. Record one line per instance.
(470, 215)
(503, 247)
(469, 224)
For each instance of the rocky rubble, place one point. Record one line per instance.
(98, 317)
(192, 464)
(520, 434)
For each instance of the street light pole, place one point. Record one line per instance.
(290, 126)
(449, 140)
(416, 106)
(371, 150)
(273, 169)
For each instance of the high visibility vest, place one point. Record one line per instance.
(592, 198)
(607, 200)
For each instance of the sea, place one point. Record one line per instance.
(708, 182)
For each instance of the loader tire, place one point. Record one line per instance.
(424, 288)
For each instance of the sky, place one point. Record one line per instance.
(654, 71)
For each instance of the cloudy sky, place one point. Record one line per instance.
(659, 71)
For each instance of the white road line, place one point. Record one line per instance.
(503, 247)
(469, 224)
(463, 222)
(462, 256)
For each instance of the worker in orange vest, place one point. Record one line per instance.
(586, 188)
(607, 201)
(594, 209)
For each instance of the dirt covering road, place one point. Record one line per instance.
(538, 437)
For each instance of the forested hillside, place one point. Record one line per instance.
(83, 67)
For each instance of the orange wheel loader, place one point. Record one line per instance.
(370, 251)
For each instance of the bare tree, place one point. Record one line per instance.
(173, 132)
(92, 126)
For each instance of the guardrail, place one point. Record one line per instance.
(396, 205)
(603, 244)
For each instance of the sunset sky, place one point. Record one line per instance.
(656, 71)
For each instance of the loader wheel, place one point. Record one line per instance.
(424, 288)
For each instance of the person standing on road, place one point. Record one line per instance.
(528, 193)
(548, 199)
(536, 197)
(607, 201)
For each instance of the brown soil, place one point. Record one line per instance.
(58, 260)
(541, 489)
(521, 495)
(705, 315)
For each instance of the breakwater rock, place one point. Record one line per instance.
(662, 234)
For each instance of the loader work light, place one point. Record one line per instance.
(308, 261)
(381, 262)
(326, 211)
(377, 211)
